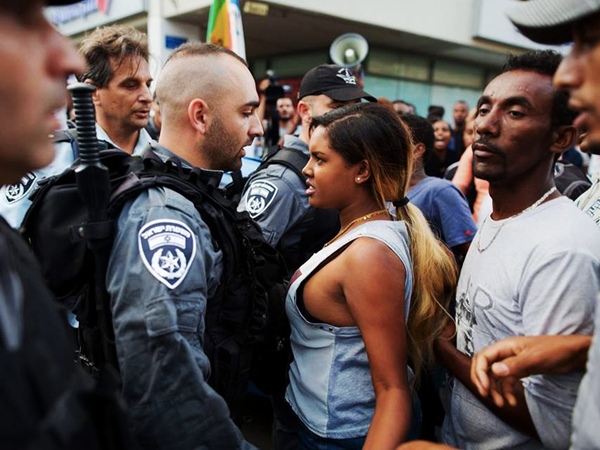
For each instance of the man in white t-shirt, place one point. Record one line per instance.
(533, 267)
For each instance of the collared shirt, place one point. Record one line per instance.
(14, 198)
(142, 142)
(163, 269)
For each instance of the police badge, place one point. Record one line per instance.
(167, 248)
(15, 192)
(260, 195)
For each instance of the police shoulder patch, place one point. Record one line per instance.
(15, 192)
(167, 248)
(260, 196)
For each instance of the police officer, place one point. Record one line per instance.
(275, 196)
(43, 392)
(117, 64)
(166, 269)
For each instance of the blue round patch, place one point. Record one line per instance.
(15, 192)
(259, 197)
(167, 248)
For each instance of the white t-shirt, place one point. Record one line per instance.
(540, 275)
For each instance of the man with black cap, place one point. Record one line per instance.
(275, 195)
(47, 400)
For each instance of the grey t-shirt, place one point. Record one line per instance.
(586, 417)
(538, 274)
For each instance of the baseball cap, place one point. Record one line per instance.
(334, 81)
(551, 21)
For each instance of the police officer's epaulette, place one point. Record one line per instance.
(70, 136)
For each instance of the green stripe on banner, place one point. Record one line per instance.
(216, 27)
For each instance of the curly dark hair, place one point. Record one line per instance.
(544, 62)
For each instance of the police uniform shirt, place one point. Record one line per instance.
(163, 269)
(275, 197)
(14, 198)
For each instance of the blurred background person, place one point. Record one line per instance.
(442, 156)
(475, 189)
(459, 115)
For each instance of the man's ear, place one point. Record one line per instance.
(563, 138)
(419, 151)
(304, 112)
(198, 115)
(363, 172)
(95, 96)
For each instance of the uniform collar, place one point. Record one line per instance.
(143, 139)
(295, 143)
(164, 153)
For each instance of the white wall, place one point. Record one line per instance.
(449, 20)
(159, 29)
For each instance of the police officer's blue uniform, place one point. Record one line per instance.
(275, 197)
(163, 269)
(14, 198)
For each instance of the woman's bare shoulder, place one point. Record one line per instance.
(368, 254)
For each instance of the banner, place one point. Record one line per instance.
(225, 26)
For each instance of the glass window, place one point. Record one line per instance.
(394, 64)
(447, 72)
(298, 64)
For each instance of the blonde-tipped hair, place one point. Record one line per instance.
(371, 132)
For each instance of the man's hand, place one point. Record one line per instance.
(497, 369)
(263, 85)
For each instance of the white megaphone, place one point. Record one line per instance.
(349, 50)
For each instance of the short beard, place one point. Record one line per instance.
(217, 147)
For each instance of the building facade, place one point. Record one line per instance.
(425, 52)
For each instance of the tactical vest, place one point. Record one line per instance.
(237, 315)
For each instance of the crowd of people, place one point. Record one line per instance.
(382, 277)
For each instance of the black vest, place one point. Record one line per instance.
(237, 315)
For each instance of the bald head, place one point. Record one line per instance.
(193, 71)
(208, 102)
